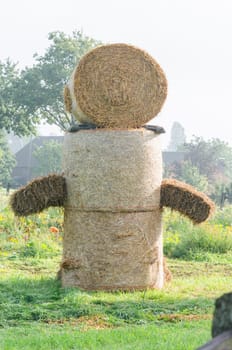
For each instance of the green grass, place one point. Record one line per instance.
(36, 313)
(181, 336)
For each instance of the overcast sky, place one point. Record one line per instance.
(191, 40)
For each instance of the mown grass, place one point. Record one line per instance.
(144, 337)
(36, 313)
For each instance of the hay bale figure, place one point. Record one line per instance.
(114, 194)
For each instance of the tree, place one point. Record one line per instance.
(213, 158)
(222, 194)
(40, 89)
(207, 165)
(178, 137)
(49, 158)
(7, 161)
(187, 172)
(13, 116)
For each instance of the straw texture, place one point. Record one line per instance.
(186, 199)
(113, 170)
(112, 225)
(39, 194)
(112, 251)
(117, 86)
(67, 99)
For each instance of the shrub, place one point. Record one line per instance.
(35, 236)
(184, 240)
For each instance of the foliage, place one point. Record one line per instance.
(227, 193)
(217, 195)
(39, 89)
(7, 161)
(31, 236)
(36, 313)
(49, 158)
(190, 174)
(186, 241)
(223, 217)
(14, 116)
(213, 158)
(178, 137)
(222, 194)
(207, 165)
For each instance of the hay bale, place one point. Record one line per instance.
(186, 199)
(112, 251)
(67, 99)
(113, 170)
(117, 86)
(112, 224)
(39, 194)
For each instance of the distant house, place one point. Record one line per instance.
(26, 162)
(15, 142)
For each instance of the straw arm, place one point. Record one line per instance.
(186, 199)
(39, 194)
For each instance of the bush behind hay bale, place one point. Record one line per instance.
(39, 194)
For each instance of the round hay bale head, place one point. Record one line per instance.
(118, 86)
(67, 99)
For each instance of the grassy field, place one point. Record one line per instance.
(36, 313)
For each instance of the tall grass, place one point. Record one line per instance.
(41, 235)
(33, 236)
(37, 313)
(184, 240)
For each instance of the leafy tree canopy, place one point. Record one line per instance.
(7, 161)
(190, 174)
(213, 158)
(36, 93)
(13, 116)
(207, 165)
(40, 88)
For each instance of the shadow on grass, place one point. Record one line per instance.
(26, 300)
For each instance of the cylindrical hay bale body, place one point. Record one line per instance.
(112, 251)
(113, 170)
(113, 231)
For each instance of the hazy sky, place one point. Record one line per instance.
(191, 40)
